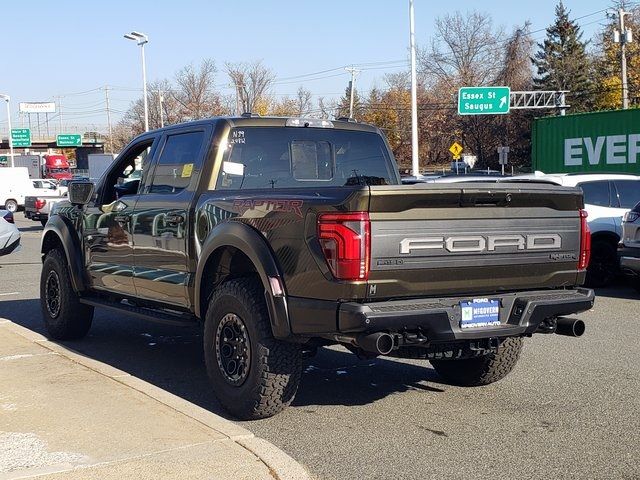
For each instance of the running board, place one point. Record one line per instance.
(158, 316)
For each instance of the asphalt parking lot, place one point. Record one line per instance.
(569, 410)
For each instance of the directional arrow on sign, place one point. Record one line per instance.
(503, 100)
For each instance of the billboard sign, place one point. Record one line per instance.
(37, 107)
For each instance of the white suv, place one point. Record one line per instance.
(607, 197)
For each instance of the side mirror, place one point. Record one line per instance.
(80, 193)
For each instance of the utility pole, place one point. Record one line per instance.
(60, 113)
(106, 97)
(623, 36)
(352, 87)
(415, 161)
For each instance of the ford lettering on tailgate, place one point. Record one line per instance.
(482, 243)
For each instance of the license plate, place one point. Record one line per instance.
(480, 312)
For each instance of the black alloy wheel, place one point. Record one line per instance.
(52, 294)
(233, 349)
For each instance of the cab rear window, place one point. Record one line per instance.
(275, 157)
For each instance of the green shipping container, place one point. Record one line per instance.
(587, 142)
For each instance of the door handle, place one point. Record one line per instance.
(121, 219)
(174, 219)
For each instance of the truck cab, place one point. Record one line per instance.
(56, 166)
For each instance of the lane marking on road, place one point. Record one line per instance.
(9, 293)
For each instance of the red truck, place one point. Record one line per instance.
(56, 166)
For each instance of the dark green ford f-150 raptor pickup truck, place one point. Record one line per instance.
(282, 235)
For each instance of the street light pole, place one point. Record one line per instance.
(7, 98)
(415, 161)
(141, 39)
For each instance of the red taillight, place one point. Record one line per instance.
(585, 241)
(40, 203)
(345, 239)
(8, 217)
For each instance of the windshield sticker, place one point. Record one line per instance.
(187, 169)
(237, 136)
(233, 168)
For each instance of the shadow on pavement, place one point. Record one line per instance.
(34, 228)
(620, 289)
(171, 358)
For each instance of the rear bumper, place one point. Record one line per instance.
(35, 215)
(439, 318)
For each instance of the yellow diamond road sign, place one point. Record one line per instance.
(456, 150)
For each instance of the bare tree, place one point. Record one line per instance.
(195, 91)
(514, 130)
(465, 51)
(516, 63)
(192, 96)
(303, 101)
(133, 119)
(284, 107)
(398, 81)
(325, 108)
(251, 82)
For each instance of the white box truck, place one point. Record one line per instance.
(15, 184)
(31, 162)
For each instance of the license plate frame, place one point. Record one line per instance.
(479, 313)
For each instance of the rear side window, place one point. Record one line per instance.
(177, 162)
(596, 193)
(274, 157)
(628, 192)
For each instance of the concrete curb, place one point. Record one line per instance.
(281, 465)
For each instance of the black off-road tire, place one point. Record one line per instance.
(66, 318)
(483, 370)
(604, 264)
(274, 367)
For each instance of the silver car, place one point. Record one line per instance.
(630, 255)
(9, 233)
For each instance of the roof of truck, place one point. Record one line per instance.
(254, 120)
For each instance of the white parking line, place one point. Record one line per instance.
(9, 293)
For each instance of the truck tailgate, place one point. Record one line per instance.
(30, 204)
(470, 238)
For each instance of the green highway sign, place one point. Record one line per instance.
(4, 160)
(484, 100)
(69, 140)
(21, 137)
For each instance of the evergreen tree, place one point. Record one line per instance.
(562, 62)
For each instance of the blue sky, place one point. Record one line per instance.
(64, 47)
